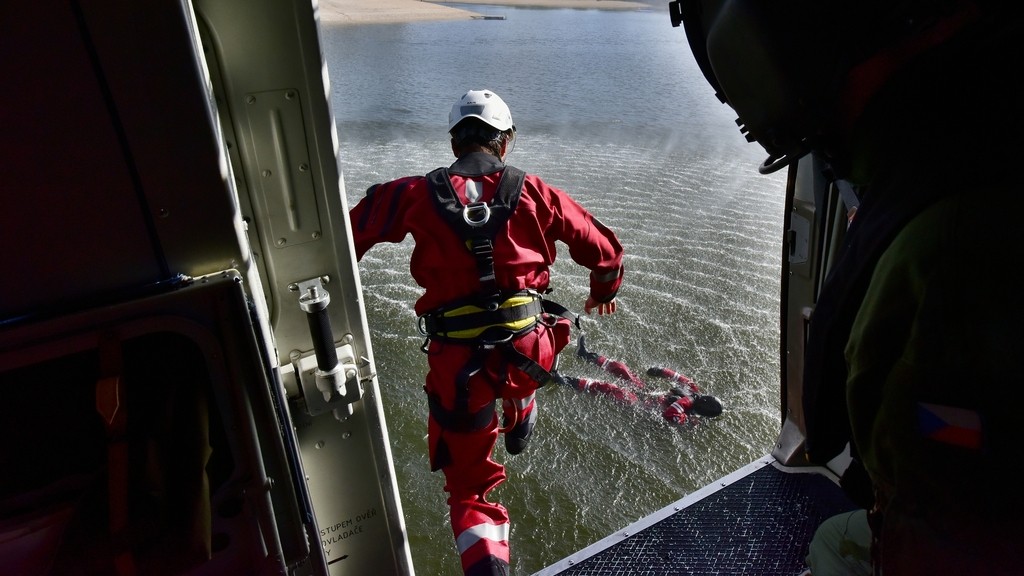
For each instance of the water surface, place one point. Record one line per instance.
(610, 107)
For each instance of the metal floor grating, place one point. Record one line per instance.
(759, 525)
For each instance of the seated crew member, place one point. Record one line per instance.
(908, 102)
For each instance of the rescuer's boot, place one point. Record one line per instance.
(517, 438)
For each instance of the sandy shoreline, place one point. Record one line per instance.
(398, 11)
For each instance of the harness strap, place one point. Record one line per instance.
(478, 223)
(556, 309)
(470, 320)
(455, 421)
(460, 419)
(528, 365)
(483, 251)
(473, 366)
(492, 321)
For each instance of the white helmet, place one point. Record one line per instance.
(482, 104)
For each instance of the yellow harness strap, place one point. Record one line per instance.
(511, 325)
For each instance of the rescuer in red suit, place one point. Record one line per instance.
(485, 236)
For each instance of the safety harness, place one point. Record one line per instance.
(492, 319)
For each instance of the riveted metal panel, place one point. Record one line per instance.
(284, 183)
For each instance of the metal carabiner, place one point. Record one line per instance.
(470, 210)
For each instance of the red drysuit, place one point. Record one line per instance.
(446, 270)
(674, 408)
(675, 405)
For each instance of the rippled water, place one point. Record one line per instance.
(611, 108)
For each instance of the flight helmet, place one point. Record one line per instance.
(800, 72)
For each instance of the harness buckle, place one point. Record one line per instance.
(471, 214)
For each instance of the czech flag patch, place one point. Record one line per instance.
(950, 425)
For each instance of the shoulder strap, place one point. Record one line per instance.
(478, 223)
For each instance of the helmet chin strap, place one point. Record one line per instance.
(774, 162)
(506, 148)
